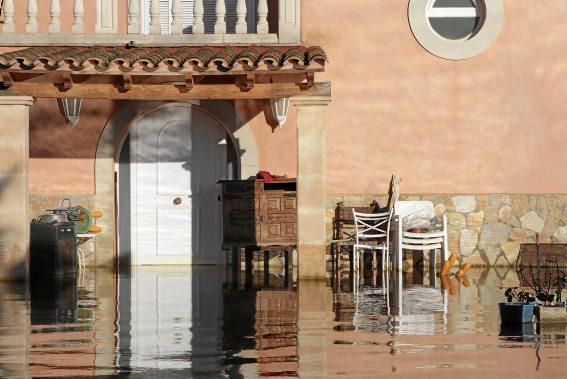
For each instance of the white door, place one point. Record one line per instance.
(177, 154)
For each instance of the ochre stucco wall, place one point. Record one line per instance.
(61, 156)
(494, 123)
(277, 146)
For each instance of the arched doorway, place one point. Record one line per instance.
(168, 199)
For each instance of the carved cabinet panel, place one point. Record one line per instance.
(258, 213)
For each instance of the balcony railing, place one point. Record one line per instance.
(149, 22)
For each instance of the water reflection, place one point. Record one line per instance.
(205, 322)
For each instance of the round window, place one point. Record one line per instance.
(455, 19)
(455, 29)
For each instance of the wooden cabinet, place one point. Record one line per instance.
(259, 214)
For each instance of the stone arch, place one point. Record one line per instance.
(110, 142)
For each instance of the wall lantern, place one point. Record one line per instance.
(71, 109)
(280, 108)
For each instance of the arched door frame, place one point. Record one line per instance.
(108, 151)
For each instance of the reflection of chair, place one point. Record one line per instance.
(425, 241)
(372, 233)
(425, 304)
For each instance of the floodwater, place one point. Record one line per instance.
(203, 322)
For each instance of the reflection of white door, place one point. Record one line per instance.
(177, 153)
(175, 319)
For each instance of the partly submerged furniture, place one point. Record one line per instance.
(344, 230)
(53, 249)
(371, 233)
(259, 217)
(432, 239)
(255, 213)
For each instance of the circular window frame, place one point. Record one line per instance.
(445, 48)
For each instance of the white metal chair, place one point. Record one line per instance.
(371, 233)
(427, 241)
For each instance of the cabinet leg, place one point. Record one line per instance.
(267, 268)
(235, 266)
(249, 276)
(339, 253)
(287, 252)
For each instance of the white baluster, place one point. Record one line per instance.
(134, 17)
(176, 27)
(155, 27)
(220, 24)
(55, 12)
(9, 26)
(198, 12)
(263, 27)
(241, 25)
(31, 26)
(79, 14)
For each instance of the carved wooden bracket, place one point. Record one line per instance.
(7, 79)
(67, 83)
(127, 83)
(309, 81)
(247, 83)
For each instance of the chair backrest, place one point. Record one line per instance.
(423, 209)
(370, 225)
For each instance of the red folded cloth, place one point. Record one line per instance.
(267, 177)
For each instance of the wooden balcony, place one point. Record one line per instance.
(149, 22)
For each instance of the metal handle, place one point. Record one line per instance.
(177, 201)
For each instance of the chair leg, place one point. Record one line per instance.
(432, 270)
(399, 260)
(354, 269)
(445, 239)
(399, 246)
(374, 260)
(383, 280)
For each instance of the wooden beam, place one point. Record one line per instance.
(233, 72)
(170, 92)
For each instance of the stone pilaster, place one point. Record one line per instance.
(14, 195)
(311, 185)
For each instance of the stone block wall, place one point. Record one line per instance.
(485, 229)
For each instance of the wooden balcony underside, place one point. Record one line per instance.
(161, 87)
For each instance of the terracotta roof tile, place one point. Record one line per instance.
(173, 59)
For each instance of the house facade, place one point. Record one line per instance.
(461, 98)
